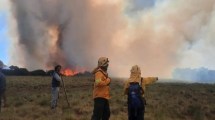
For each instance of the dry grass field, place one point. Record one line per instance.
(28, 98)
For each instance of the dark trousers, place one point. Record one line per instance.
(101, 109)
(136, 113)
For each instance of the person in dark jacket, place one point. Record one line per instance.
(56, 79)
(2, 89)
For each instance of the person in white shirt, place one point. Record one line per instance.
(56, 80)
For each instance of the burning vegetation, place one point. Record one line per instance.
(16, 71)
(69, 72)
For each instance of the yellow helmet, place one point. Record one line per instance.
(135, 69)
(103, 61)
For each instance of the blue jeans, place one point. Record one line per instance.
(55, 96)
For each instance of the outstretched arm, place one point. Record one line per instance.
(150, 80)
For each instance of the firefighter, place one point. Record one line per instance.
(134, 88)
(101, 91)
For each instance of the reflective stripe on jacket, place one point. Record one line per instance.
(101, 85)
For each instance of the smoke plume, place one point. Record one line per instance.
(75, 33)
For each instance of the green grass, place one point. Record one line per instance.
(28, 98)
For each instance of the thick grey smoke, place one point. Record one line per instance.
(83, 29)
(75, 33)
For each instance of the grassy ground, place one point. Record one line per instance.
(29, 99)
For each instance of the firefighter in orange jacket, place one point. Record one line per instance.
(135, 77)
(101, 91)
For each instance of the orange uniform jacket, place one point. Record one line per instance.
(101, 85)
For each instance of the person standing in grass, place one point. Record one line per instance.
(101, 91)
(135, 88)
(2, 89)
(56, 79)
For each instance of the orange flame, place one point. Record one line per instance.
(69, 72)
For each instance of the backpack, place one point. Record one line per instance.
(135, 95)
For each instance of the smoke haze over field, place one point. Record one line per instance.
(158, 37)
(202, 75)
